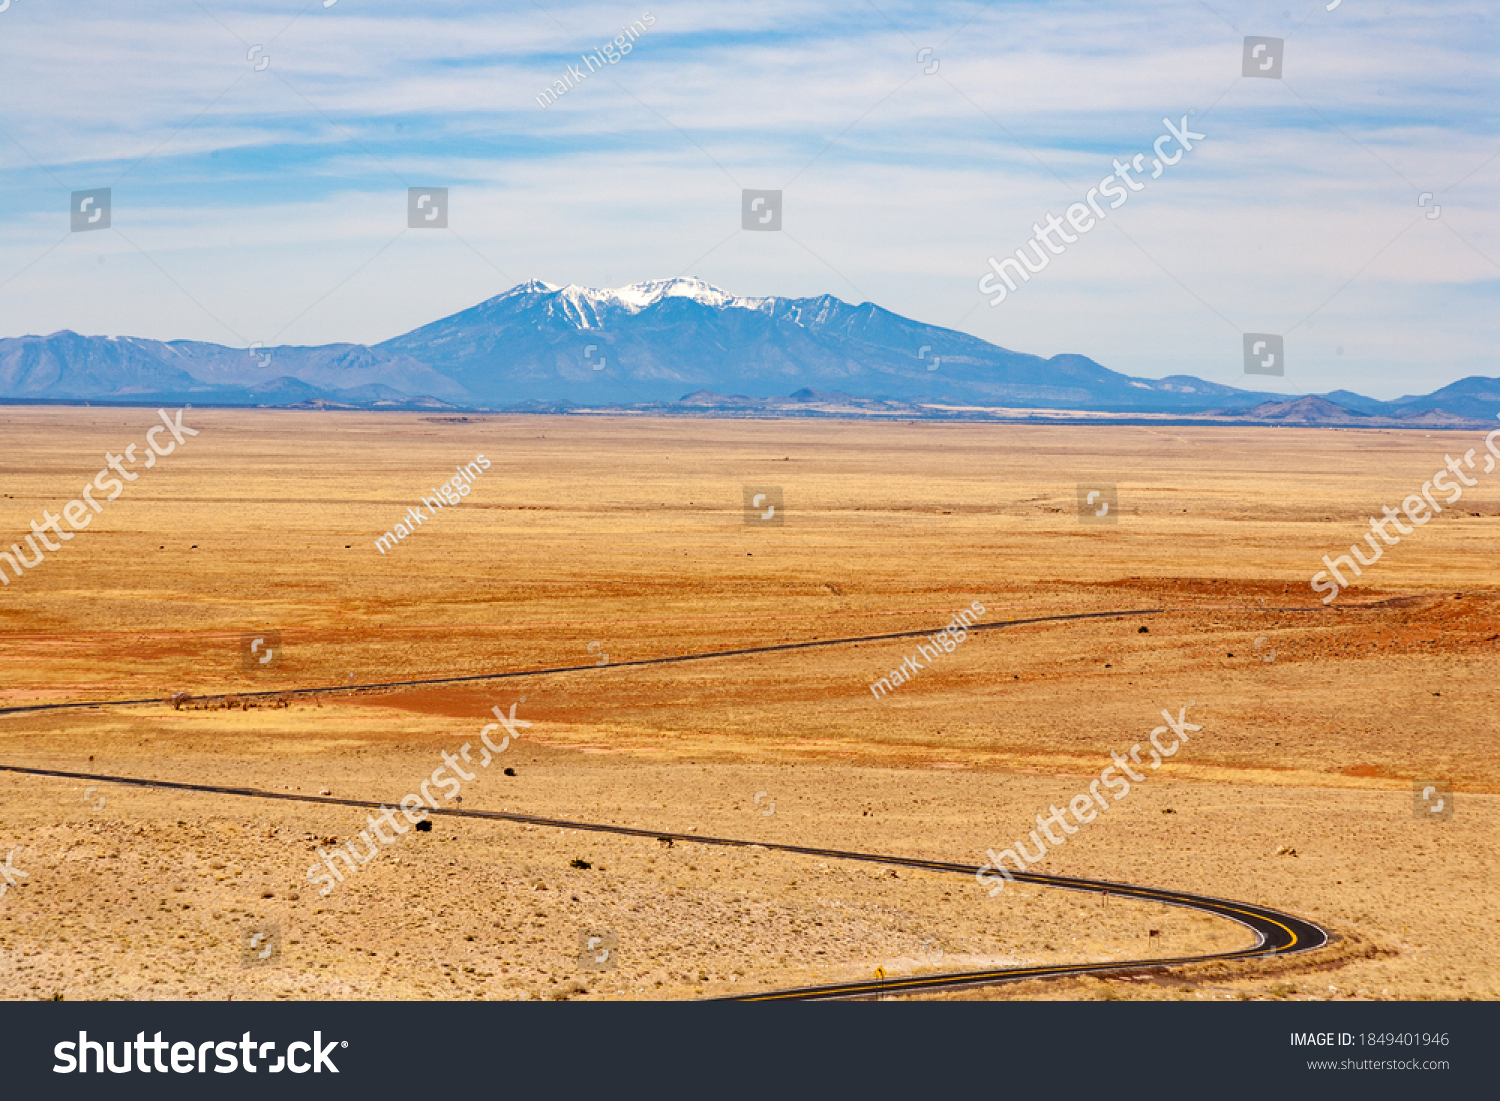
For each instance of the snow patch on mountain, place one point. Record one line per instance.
(586, 302)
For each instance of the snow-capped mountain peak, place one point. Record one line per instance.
(531, 286)
(638, 296)
(587, 301)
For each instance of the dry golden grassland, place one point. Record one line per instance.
(594, 536)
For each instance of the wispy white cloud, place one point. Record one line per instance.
(273, 201)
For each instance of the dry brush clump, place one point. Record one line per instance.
(184, 701)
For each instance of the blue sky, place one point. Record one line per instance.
(269, 203)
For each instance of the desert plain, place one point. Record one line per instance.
(596, 541)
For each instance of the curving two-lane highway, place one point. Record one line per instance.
(1276, 933)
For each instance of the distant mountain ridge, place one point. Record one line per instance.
(649, 344)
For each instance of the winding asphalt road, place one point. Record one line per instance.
(594, 668)
(1276, 933)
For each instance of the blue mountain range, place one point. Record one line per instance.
(678, 342)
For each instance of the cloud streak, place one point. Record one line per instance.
(276, 197)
